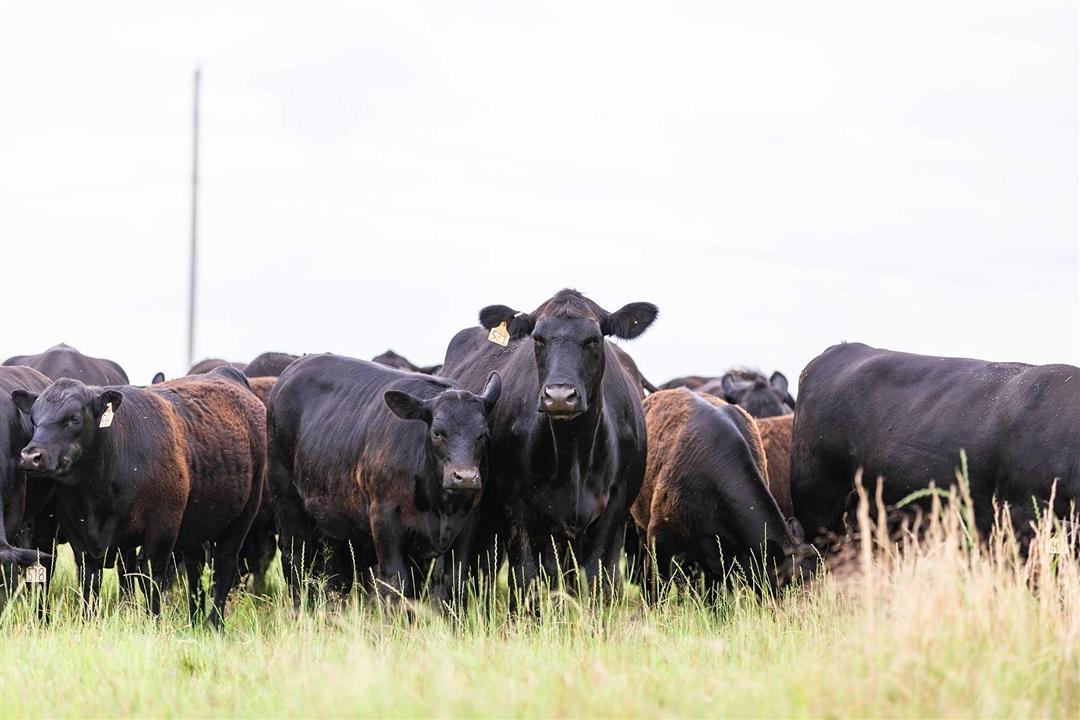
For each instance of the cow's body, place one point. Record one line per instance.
(182, 464)
(269, 364)
(400, 362)
(705, 497)
(776, 438)
(355, 474)
(63, 361)
(906, 418)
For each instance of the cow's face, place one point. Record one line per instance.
(760, 398)
(65, 418)
(457, 431)
(567, 334)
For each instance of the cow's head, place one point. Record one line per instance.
(800, 559)
(66, 417)
(457, 430)
(568, 334)
(760, 397)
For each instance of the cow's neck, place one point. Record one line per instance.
(572, 442)
(87, 501)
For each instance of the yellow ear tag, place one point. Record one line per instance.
(106, 417)
(499, 335)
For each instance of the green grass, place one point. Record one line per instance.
(939, 629)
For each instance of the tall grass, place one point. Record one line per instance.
(935, 623)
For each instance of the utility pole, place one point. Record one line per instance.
(194, 220)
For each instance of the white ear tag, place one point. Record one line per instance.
(499, 335)
(36, 573)
(106, 417)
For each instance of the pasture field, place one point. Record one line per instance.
(942, 628)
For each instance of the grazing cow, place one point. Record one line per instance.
(384, 466)
(15, 432)
(164, 469)
(705, 497)
(204, 366)
(568, 438)
(269, 364)
(905, 418)
(776, 437)
(65, 361)
(392, 359)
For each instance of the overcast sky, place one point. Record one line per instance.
(776, 180)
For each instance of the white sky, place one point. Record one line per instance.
(776, 180)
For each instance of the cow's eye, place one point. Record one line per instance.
(592, 342)
(74, 419)
(437, 435)
(539, 341)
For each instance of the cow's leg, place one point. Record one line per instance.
(394, 581)
(194, 561)
(298, 538)
(126, 570)
(524, 569)
(91, 582)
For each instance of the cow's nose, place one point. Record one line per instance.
(560, 399)
(465, 478)
(30, 459)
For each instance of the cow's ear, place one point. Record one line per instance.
(114, 397)
(407, 407)
(23, 400)
(629, 321)
(492, 391)
(518, 324)
(778, 382)
(727, 385)
(159, 377)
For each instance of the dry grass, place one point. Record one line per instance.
(939, 624)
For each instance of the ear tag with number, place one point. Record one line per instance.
(36, 573)
(499, 335)
(106, 417)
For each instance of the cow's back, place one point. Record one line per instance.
(65, 361)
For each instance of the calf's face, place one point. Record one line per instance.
(457, 431)
(65, 419)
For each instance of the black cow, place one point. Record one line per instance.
(204, 366)
(383, 466)
(269, 364)
(65, 361)
(706, 499)
(42, 525)
(400, 362)
(15, 432)
(906, 418)
(750, 390)
(568, 438)
(163, 469)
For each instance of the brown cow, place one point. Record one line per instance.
(705, 497)
(164, 469)
(776, 437)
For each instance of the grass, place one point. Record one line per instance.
(941, 627)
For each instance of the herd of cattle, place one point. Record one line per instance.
(537, 443)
